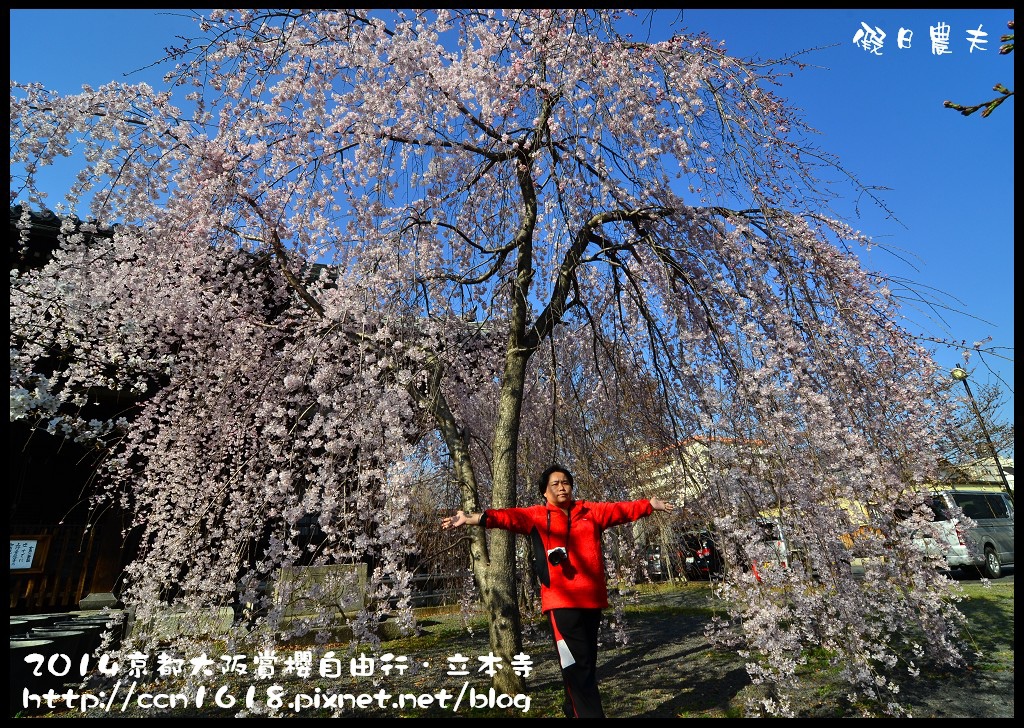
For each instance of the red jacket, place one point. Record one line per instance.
(580, 581)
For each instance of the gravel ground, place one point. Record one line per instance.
(666, 669)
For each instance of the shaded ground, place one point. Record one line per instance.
(669, 671)
(666, 669)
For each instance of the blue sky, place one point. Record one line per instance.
(949, 177)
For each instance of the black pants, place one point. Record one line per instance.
(575, 633)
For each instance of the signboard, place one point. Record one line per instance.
(28, 553)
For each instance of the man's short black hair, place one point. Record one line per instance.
(542, 481)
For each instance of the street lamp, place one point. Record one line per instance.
(959, 374)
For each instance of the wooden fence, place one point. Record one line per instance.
(61, 575)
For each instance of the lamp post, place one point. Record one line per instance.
(959, 374)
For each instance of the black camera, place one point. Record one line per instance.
(557, 556)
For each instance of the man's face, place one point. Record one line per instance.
(559, 490)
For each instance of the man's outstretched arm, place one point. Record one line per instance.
(461, 518)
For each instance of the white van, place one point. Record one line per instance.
(985, 547)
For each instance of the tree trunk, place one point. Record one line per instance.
(502, 608)
(498, 582)
(493, 553)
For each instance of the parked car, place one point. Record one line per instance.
(655, 564)
(702, 558)
(703, 550)
(985, 547)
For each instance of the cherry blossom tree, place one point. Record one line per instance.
(375, 238)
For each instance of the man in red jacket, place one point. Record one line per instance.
(566, 537)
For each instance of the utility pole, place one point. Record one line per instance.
(960, 374)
